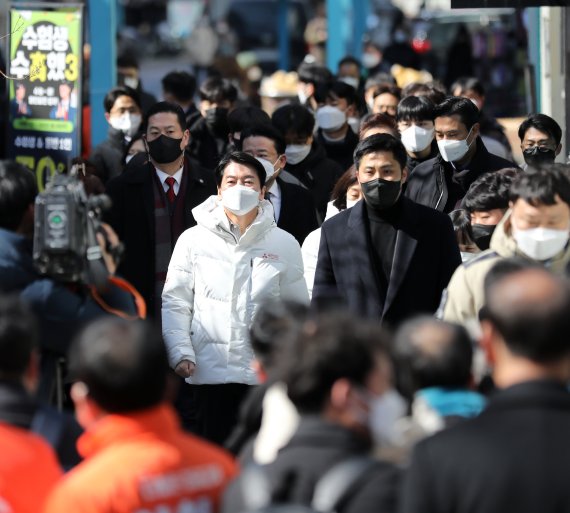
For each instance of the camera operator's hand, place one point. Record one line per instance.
(110, 238)
(185, 368)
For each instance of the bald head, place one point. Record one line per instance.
(432, 353)
(530, 308)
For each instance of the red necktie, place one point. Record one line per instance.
(170, 192)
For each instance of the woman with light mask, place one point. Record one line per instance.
(345, 194)
(415, 123)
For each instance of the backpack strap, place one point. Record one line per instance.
(339, 482)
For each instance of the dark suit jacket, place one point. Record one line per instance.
(425, 256)
(298, 215)
(132, 217)
(514, 457)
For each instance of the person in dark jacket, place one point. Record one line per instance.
(293, 205)
(336, 368)
(415, 123)
(209, 133)
(515, 455)
(442, 182)
(62, 309)
(123, 113)
(153, 201)
(307, 163)
(338, 121)
(180, 87)
(387, 257)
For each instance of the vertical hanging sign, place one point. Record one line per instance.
(44, 86)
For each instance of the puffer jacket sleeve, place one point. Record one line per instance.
(293, 285)
(178, 303)
(457, 301)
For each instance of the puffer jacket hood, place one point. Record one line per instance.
(211, 215)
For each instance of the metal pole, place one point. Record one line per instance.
(103, 64)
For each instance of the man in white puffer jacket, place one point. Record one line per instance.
(221, 271)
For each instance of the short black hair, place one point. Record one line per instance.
(381, 142)
(18, 190)
(243, 117)
(461, 221)
(269, 132)
(490, 191)
(160, 107)
(327, 348)
(541, 186)
(116, 92)
(415, 108)
(122, 363)
(544, 124)
(435, 91)
(335, 89)
(458, 106)
(180, 84)
(345, 181)
(432, 353)
(216, 90)
(295, 119)
(127, 60)
(532, 325)
(245, 159)
(349, 59)
(18, 337)
(465, 84)
(311, 73)
(274, 324)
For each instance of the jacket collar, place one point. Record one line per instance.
(116, 428)
(542, 394)
(16, 406)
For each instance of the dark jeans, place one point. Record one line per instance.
(217, 408)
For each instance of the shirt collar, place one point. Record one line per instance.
(163, 176)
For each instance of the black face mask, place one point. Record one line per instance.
(381, 194)
(217, 121)
(482, 234)
(539, 155)
(164, 149)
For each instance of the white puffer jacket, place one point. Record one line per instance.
(216, 283)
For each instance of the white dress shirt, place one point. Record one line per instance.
(274, 196)
(162, 176)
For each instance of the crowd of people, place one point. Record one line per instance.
(356, 301)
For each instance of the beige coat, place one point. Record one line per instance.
(463, 298)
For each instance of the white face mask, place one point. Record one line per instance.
(330, 118)
(131, 82)
(541, 243)
(351, 203)
(354, 124)
(127, 123)
(296, 153)
(415, 138)
(452, 151)
(351, 81)
(240, 200)
(370, 60)
(268, 166)
(302, 95)
(384, 413)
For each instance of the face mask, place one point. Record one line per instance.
(381, 194)
(296, 153)
(164, 149)
(240, 200)
(541, 243)
(330, 118)
(482, 234)
(132, 82)
(217, 121)
(452, 151)
(415, 138)
(127, 123)
(268, 166)
(128, 158)
(303, 97)
(539, 155)
(351, 81)
(351, 203)
(354, 124)
(465, 257)
(370, 60)
(385, 411)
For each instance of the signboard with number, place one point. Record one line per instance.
(44, 86)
